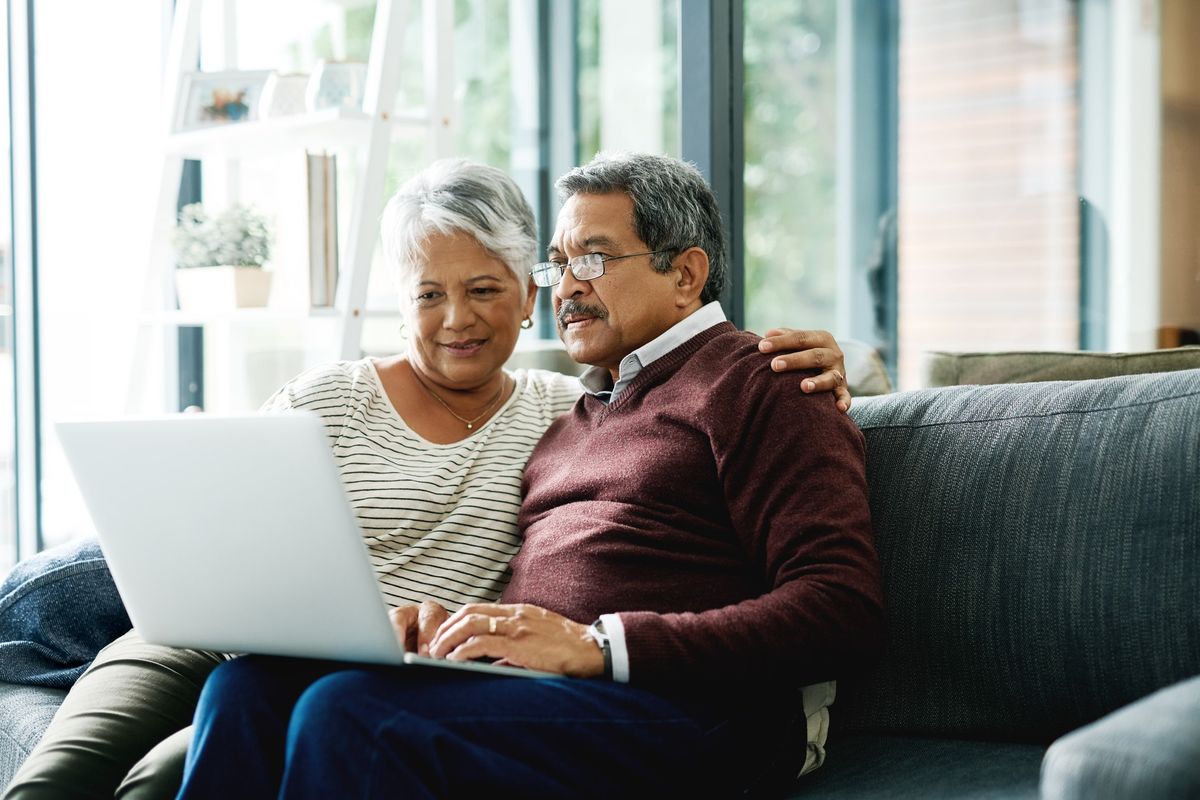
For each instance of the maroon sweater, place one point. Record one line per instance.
(721, 511)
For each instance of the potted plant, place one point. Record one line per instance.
(220, 259)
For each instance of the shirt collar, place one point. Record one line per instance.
(597, 381)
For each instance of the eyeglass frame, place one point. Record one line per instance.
(571, 265)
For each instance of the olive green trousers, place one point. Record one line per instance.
(123, 728)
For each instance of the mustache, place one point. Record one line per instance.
(571, 308)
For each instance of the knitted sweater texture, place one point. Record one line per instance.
(722, 512)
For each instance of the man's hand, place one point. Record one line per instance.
(519, 635)
(416, 625)
(810, 350)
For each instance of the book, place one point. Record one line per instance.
(322, 229)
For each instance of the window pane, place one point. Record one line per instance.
(8, 495)
(95, 207)
(791, 156)
(988, 188)
(628, 76)
(984, 159)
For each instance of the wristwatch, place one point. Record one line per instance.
(596, 631)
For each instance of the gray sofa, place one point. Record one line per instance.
(1040, 546)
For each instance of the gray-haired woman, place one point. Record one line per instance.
(431, 444)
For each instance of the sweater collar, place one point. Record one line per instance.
(598, 382)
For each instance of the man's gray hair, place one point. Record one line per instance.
(456, 195)
(673, 207)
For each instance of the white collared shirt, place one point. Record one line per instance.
(596, 383)
(596, 380)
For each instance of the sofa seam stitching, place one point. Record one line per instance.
(1046, 415)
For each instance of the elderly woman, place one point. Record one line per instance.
(431, 445)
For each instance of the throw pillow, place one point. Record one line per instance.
(57, 610)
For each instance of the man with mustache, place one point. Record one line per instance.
(697, 546)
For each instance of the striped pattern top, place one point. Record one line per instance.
(439, 520)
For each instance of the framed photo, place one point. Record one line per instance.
(219, 98)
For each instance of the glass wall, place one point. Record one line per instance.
(988, 178)
(98, 125)
(628, 76)
(980, 203)
(912, 178)
(791, 147)
(8, 422)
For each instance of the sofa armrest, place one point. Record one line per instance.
(1150, 748)
(25, 713)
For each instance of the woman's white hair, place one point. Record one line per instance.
(456, 195)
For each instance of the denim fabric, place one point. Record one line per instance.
(132, 697)
(1039, 545)
(57, 609)
(270, 727)
(1148, 749)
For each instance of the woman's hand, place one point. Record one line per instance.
(810, 350)
(519, 635)
(416, 625)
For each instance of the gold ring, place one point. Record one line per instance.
(492, 625)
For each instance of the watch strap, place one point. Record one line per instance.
(596, 631)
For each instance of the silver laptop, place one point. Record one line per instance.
(234, 534)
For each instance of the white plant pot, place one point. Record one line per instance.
(207, 289)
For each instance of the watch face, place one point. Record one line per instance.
(596, 631)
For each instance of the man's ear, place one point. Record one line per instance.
(692, 266)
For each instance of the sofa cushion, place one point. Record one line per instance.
(915, 768)
(1150, 748)
(25, 713)
(1039, 545)
(57, 609)
(956, 369)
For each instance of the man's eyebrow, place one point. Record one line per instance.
(590, 243)
(598, 241)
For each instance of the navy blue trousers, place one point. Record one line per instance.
(275, 727)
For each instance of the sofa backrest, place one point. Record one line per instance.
(957, 369)
(1040, 547)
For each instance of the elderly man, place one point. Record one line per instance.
(697, 546)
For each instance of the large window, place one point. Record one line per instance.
(988, 223)
(8, 422)
(628, 73)
(98, 122)
(951, 223)
(916, 174)
(791, 152)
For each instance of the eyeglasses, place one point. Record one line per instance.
(584, 268)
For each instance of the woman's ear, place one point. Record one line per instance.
(692, 267)
(530, 298)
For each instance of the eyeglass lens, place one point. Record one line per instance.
(585, 268)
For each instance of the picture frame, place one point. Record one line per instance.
(208, 99)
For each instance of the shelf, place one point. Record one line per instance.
(319, 130)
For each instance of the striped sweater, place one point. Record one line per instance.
(439, 520)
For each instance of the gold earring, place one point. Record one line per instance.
(527, 323)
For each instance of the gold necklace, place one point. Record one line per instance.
(470, 423)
